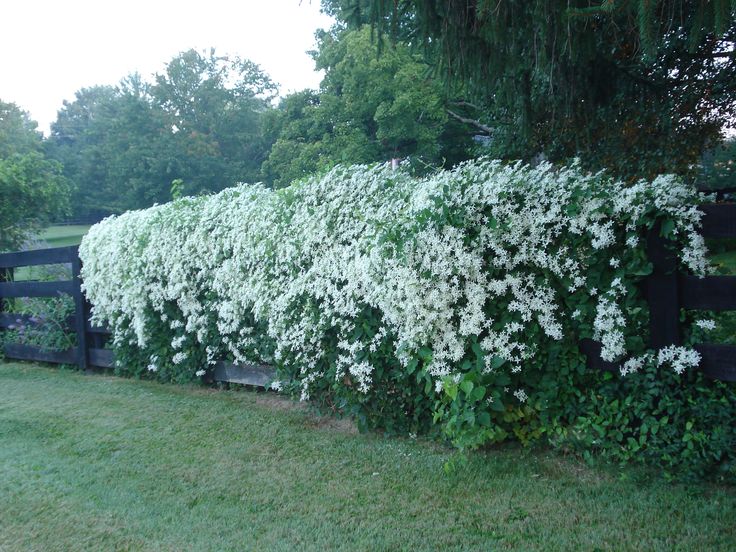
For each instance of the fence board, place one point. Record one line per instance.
(719, 220)
(662, 292)
(592, 351)
(35, 289)
(29, 352)
(36, 257)
(715, 293)
(258, 375)
(719, 361)
(102, 358)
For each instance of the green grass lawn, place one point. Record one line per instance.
(102, 463)
(60, 236)
(53, 236)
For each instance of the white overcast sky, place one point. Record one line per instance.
(52, 48)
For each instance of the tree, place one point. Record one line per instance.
(369, 108)
(32, 188)
(18, 132)
(115, 147)
(637, 86)
(200, 121)
(213, 106)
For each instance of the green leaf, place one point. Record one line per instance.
(668, 226)
(478, 393)
(497, 362)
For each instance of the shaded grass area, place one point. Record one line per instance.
(97, 462)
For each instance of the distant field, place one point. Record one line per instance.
(53, 236)
(59, 236)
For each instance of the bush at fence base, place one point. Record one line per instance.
(685, 425)
(459, 298)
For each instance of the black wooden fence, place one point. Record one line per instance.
(90, 350)
(90, 339)
(666, 291)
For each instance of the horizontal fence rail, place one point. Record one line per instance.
(666, 292)
(55, 255)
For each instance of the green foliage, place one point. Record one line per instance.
(718, 168)
(177, 188)
(18, 134)
(47, 327)
(686, 426)
(32, 188)
(32, 192)
(200, 122)
(641, 88)
(370, 108)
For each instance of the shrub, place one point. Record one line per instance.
(460, 297)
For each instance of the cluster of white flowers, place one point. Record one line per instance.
(679, 358)
(484, 253)
(521, 395)
(635, 364)
(706, 324)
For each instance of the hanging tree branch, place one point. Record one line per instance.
(467, 121)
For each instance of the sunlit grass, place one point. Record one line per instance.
(101, 463)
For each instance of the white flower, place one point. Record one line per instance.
(706, 324)
(200, 373)
(521, 395)
(680, 358)
(261, 275)
(635, 364)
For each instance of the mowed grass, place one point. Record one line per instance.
(102, 463)
(53, 236)
(60, 236)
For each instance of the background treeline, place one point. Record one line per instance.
(637, 88)
(212, 121)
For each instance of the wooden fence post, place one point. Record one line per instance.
(663, 294)
(6, 275)
(80, 314)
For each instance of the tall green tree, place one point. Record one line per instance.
(638, 86)
(115, 147)
(369, 108)
(32, 188)
(199, 121)
(213, 106)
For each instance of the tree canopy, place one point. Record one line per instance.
(199, 121)
(32, 188)
(639, 87)
(369, 108)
